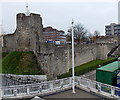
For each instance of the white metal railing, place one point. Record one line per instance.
(58, 85)
(97, 87)
(37, 88)
(23, 79)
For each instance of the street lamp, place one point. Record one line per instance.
(73, 74)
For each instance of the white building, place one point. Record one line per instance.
(119, 12)
(113, 28)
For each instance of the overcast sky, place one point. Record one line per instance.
(93, 15)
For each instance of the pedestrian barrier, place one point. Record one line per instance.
(54, 86)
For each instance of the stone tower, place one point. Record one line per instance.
(28, 33)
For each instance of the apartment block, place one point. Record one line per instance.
(112, 29)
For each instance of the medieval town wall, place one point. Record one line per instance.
(54, 60)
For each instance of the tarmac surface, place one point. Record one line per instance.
(70, 95)
(90, 75)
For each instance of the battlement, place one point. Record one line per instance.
(33, 14)
(24, 21)
(21, 15)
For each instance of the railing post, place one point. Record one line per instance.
(40, 88)
(28, 90)
(99, 87)
(76, 81)
(61, 83)
(88, 84)
(51, 85)
(15, 91)
(1, 93)
(70, 80)
(79, 80)
(112, 91)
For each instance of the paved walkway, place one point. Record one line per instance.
(90, 75)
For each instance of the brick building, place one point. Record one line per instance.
(52, 35)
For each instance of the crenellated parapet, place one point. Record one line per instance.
(23, 21)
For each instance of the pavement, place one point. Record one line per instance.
(90, 75)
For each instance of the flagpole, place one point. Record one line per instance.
(73, 74)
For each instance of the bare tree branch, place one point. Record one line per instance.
(79, 32)
(96, 33)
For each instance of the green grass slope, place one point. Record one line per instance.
(84, 68)
(4, 54)
(24, 63)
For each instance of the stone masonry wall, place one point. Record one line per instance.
(54, 60)
(57, 60)
(9, 43)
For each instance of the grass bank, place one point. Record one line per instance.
(84, 68)
(24, 63)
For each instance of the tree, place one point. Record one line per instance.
(80, 32)
(96, 33)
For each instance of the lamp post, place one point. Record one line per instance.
(73, 74)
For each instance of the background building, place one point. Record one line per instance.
(52, 35)
(119, 12)
(112, 29)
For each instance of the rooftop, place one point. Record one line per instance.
(110, 67)
(68, 94)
